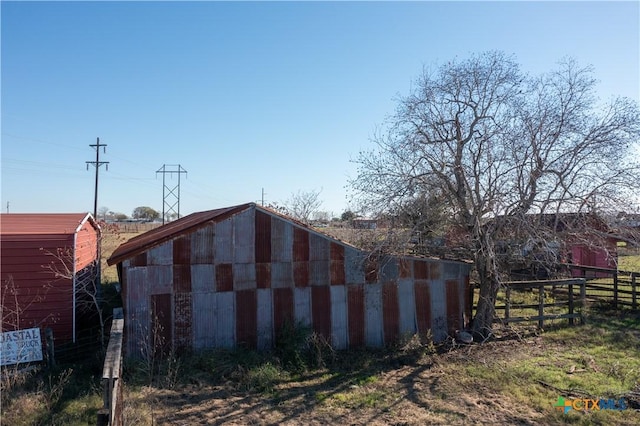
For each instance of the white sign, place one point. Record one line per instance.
(20, 346)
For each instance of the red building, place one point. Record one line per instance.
(48, 260)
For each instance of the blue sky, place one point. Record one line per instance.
(244, 95)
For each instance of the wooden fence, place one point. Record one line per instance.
(554, 299)
(565, 299)
(111, 412)
(620, 288)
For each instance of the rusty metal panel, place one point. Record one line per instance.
(318, 247)
(161, 332)
(435, 270)
(406, 301)
(160, 278)
(421, 270)
(373, 331)
(371, 271)
(203, 245)
(337, 264)
(451, 270)
(246, 319)
(321, 311)
(244, 239)
(302, 306)
(355, 309)
(263, 275)
(354, 269)
(204, 320)
(182, 321)
(203, 278)
(283, 310)
(405, 268)
(139, 260)
(453, 292)
(339, 317)
(391, 312)
(244, 276)
(281, 274)
(389, 269)
(438, 311)
(181, 278)
(300, 245)
(301, 274)
(319, 273)
(136, 304)
(225, 320)
(182, 250)
(224, 277)
(161, 255)
(263, 237)
(281, 240)
(224, 241)
(264, 319)
(423, 306)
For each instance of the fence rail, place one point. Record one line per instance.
(526, 311)
(111, 412)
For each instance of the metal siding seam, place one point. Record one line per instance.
(264, 319)
(338, 317)
(373, 315)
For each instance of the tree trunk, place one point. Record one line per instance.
(489, 286)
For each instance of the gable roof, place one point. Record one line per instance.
(43, 223)
(160, 235)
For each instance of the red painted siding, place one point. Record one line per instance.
(337, 264)
(263, 237)
(355, 308)
(224, 277)
(321, 310)
(454, 315)
(390, 312)
(282, 308)
(246, 318)
(423, 306)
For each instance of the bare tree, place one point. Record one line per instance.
(496, 143)
(304, 204)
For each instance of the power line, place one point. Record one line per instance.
(97, 165)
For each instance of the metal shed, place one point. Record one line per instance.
(235, 276)
(46, 259)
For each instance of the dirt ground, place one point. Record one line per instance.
(425, 391)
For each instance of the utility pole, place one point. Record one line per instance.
(7, 207)
(170, 195)
(262, 204)
(97, 165)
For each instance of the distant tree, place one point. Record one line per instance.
(120, 216)
(170, 216)
(304, 204)
(146, 213)
(102, 213)
(322, 216)
(347, 216)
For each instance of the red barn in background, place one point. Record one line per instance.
(47, 262)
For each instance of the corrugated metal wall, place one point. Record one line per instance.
(240, 280)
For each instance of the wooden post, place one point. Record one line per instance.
(51, 360)
(541, 306)
(507, 305)
(583, 299)
(570, 304)
(615, 290)
(634, 296)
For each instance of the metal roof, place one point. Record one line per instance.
(155, 237)
(42, 223)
